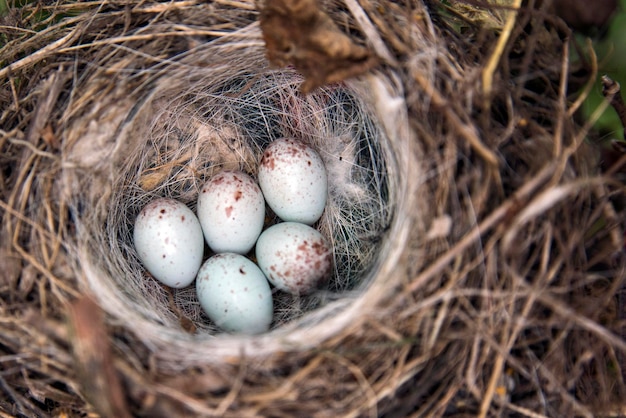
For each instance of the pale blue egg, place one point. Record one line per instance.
(169, 242)
(293, 179)
(231, 210)
(235, 294)
(294, 257)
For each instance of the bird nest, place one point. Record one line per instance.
(477, 245)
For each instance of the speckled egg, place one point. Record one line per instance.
(234, 294)
(169, 242)
(293, 179)
(231, 210)
(294, 257)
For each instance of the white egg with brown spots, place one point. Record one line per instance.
(234, 293)
(293, 179)
(231, 210)
(169, 242)
(294, 257)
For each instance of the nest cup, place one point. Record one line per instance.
(215, 109)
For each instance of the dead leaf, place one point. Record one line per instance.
(297, 32)
(49, 93)
(199, 382)
(49, 137)
(440, 227)
(10, 266)
(584, 15)
(151, 179)
(186, 324)
(27, 280)
(91, 346)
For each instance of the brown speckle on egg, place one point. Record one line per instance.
(268, 161)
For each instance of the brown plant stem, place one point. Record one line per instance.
(611, 91)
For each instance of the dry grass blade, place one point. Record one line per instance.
(496, 56)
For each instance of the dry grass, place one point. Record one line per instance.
(486, 280)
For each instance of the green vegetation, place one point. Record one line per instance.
(611, 52)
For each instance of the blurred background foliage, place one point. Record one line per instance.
(611, 52)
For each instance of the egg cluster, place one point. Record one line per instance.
(293, 256)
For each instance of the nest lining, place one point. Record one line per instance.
(201, 119)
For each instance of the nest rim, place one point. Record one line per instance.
(338, 316)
